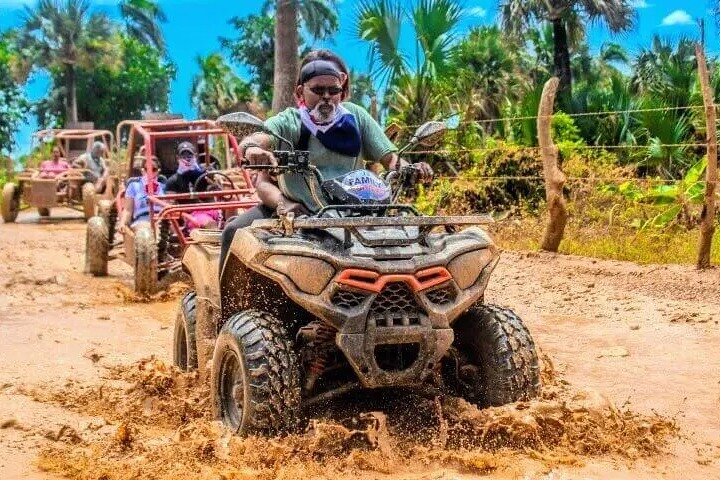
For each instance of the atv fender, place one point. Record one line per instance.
(200, 261)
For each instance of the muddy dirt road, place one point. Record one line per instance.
(645, 338)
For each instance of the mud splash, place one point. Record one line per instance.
(161, 430)
(169, 289)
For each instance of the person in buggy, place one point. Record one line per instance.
(340, 136)
(137, 206)
(190, 177)
(96, 163)
(55, 166)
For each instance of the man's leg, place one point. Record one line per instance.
(241, 221)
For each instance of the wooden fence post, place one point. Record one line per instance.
(554, 177)
(707, 218)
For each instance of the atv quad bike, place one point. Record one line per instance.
(155, 249)
(362, 295)
(67, 189)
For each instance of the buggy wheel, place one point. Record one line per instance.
(184, 347)
(88, 199)
(10, 203)
(255, 385)
(97, 247)
(496, 359)
(146, 260)
(106, 211)
(44, 212)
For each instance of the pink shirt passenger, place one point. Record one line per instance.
(50, 168)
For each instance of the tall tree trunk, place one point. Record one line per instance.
(562, 59)
(71, 97)
(286, 54)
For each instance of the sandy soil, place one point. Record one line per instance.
(635, 391)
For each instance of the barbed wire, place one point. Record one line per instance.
(573, 115)
(503, 178)
(535, 149)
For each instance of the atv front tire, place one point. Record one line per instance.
(255, 384)
(44, 212)
(497, 361)
(97, 247)
(88, 199)
(10, 203)
(184, 346)
(146, 261)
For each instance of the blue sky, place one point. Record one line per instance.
(194, 26)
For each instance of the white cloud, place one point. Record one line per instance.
(639, 4)
(476, 12)
(678, 17)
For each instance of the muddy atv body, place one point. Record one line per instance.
(310, 316)
(69, 189)
(364, 294)
(154, 249)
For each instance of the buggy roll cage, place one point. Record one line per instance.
(63, 136)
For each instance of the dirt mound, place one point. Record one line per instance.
(163, 431)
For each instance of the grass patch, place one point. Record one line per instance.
(616, 243)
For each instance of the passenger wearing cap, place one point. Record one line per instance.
(94, 161)
(183, 181)
(340, 137)
(137, 206)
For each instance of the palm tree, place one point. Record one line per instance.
(319, 19)
(566, 16)
(65, 36)
(142, 19)
(412, 88)
(486, 74)
(216, 89)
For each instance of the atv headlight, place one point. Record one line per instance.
(308, 274)
(466, 268)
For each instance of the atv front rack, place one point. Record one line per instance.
(354, 226)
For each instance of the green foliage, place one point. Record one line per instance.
(216, 89)
(64, 37)
(108, 94)
(674, 198)
(413, 91)
(13, 104)
(474, 190)
(254, 47)
(142, 21)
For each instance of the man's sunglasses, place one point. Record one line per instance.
(320, 91)
(186, 154)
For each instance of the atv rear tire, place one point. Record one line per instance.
(499, 363)
(146, 261)
(88, 199)
(44, 212)
(184, 347)
(255, 384)
(10, 203)
(97, 247)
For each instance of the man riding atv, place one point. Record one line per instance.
(340, 137)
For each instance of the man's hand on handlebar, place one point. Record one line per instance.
(256, 155)
(286, 206)
(422, 171)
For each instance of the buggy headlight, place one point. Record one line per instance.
(308, 274)
(466, 268)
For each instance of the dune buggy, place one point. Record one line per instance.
(67, 189)
(155, 249)
(365, 294)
